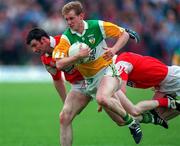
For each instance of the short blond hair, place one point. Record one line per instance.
(74, 5)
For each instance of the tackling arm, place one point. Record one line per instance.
(60, 88)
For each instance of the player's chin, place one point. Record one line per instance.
(72, 27)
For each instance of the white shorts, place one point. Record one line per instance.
(171, 84)
(79, 86)
(93, 82)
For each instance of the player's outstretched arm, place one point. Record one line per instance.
(121, 42)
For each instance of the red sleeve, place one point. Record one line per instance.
(50, 66)
(122, 65)
(57, 76)
(123, 74)
(57, 38)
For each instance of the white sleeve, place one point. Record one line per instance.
(123, 65)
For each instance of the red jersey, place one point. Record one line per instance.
(141, 71)
(71, 74)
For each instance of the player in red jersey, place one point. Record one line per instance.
(76, 100)
(146, 72)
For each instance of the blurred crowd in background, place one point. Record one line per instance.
(156, 21)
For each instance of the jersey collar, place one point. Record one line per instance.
(52, 42)
(52, 45)
(85, 28)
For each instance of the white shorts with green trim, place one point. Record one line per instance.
(79, 86)
(93, 82)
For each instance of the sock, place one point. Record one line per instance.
(147, 118)
(163, 102)
(130, 124)
(128, 119)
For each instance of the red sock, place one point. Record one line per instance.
(163, 102)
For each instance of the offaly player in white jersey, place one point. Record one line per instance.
(101, 75)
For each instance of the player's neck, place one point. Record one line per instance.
(81, 28)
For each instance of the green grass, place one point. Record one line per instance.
(29, 116)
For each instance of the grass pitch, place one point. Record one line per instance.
(29, 116)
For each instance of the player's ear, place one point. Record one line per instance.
(82, 16)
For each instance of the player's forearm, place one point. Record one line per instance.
(65, 62)
(60, 87)
(121, 42)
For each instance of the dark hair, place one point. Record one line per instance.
(73, 5)
(37, 34)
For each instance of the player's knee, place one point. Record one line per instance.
(101, 100)
(134, 112)
(65, 117)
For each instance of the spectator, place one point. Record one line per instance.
(154, 20)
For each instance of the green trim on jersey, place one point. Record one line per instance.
(92, 37)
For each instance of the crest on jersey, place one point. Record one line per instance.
(91, 39)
